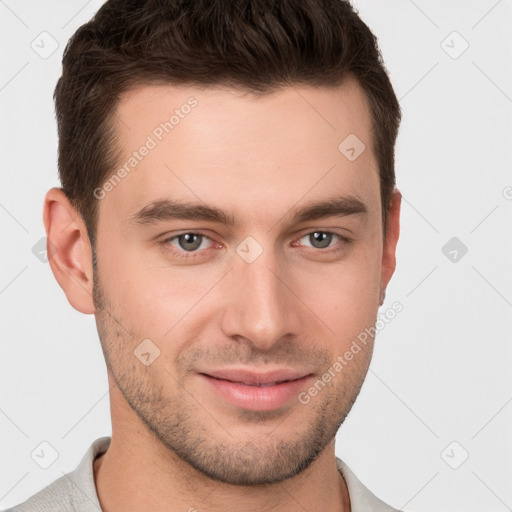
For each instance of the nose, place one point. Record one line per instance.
(260, 306)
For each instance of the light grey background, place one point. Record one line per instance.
(441, 369)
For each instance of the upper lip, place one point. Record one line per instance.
(252, 377)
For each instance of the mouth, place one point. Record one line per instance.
(261, 385)
(256, 391)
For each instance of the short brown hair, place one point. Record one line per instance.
(254, 45)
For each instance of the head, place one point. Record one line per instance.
(228, 201)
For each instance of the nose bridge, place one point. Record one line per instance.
(259, 306)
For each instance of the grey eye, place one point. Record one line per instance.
(320, 239)
(190, 241)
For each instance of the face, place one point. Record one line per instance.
(238, 257)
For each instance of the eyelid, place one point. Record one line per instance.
(191, 254)
(343, 239)
(169, 239)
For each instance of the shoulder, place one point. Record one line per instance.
(361, 498)
(56, 497)
(74, 491)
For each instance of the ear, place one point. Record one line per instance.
(390, 241)
(69, 250)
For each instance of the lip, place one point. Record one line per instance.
(258, 391)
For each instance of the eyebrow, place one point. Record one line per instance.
(165, 209)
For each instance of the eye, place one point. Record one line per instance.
(188, 242)
(323, 239)
(191, 244)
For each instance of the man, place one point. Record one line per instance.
(228, 213)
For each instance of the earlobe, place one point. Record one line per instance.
(69, 250)
(390, 242)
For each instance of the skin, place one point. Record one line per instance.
(176, 444)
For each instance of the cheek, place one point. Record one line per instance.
(158, 299)
(346, 304)
(343, 295)
(154, 297)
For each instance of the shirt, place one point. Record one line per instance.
(76, 491)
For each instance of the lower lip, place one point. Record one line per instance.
(257, 398)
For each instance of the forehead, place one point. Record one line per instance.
(225, 146)
(304, 109)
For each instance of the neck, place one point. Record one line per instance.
(132, 478)
(138, 473)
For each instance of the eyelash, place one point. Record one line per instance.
(180, 253)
